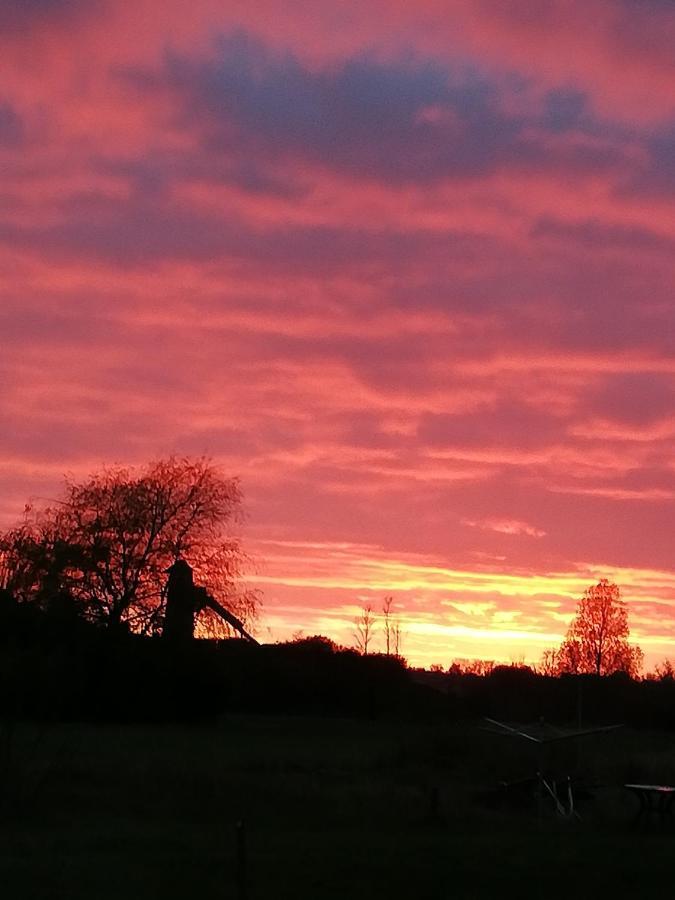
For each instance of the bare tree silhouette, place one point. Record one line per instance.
(365, 625)
(387, 623)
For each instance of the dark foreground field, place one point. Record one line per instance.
(332, 808)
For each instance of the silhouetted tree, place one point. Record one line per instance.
(392, 629)
(479, 667)
(110, 539)
(664, 671)
(597, 640)
(397, 637)
(365, 624)
(387, 623)
(549, 663)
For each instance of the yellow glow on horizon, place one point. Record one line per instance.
(450, 612)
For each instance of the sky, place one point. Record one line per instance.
(405, 269)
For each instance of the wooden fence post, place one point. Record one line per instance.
(241, 874)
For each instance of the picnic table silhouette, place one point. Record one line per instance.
(654, 799)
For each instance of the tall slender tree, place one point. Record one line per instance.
(365, 625)
(387, 623)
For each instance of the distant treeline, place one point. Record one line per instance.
(517, 693)
(56, 665)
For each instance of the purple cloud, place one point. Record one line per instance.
(11, 126)
(412, 121)
(20, 14)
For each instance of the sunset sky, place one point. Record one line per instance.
(406, 269)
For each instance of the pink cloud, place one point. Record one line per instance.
(404, 268)
(506, 526)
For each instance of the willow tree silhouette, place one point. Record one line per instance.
(109, 540)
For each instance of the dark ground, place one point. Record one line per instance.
(332, 808)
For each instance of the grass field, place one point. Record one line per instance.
(332, 808)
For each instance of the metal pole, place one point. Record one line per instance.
(240, 846)
(435, 805)
(540, 781)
